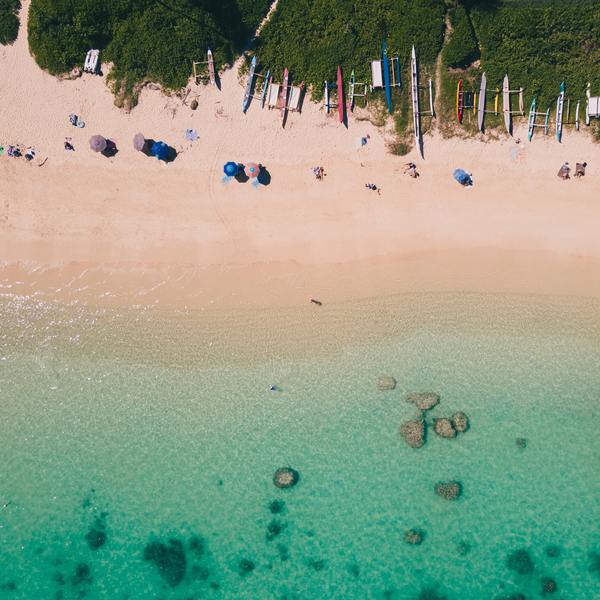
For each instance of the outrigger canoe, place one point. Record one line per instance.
(247, 94)
(282, 102)
(460, 96)
(386, 75)
(211, 67)
(560, 107)
(415, 100)
(531, 125)
(340, 90)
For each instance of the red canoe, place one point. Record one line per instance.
(340, 90)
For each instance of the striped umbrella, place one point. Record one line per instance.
(98, 143)
(252, 170)
(138, 141)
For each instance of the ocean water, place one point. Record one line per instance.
(138, 450)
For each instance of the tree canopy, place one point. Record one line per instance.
(9, 21)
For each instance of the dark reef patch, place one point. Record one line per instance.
(548, 586)
(463, 548)
(199, 573)
(317, 565)
(595, 563)
(197, 546)
(9, 586)
(274, 528)
(520, 561)
(277, 506)
(553, 551)
(82, 575)
(354, 569)
(169, 559)
(284, 553)
(246, 566)
(430, 593)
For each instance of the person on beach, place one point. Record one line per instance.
(319, 173)
(411, 169)
(30, 154)
(580, 169)
(564, 172)
(373, 187)
(68, 145)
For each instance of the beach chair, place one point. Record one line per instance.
(91, 61)
(296, 92)
(376, 75)
(273, 95)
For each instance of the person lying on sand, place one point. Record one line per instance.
(411, 169)
(580, 169)
(564, 171)
(373, 187)
(68, 145)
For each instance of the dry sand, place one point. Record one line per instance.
(132, 230)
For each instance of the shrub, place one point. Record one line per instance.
(9, 21)
(462, 49)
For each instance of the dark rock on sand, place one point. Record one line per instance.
(386, 383)
(520, 561)
(246, 566)
(317, 565)
(423, 400)
(548, 586)
(414, 536)
(595, 563)
(521, 443)
(463, 548)
(413, 433)
(96, 538)
(449, 490)
(286, 477)
(430, 594)
(443, 427)
(197, 545)
(169, 559)
(274, 528)
(82, 575)
(277, 506)
(553, 551)
(460, 422)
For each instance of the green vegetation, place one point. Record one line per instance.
(9, 21)
(462, 48)
(144, 39)
(312, 37)
(538, 43)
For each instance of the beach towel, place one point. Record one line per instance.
(191, 135)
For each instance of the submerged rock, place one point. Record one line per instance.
(283, 552)
(386, 383)
(443, 428)
(548, 586)
(521, 443)
(354, 569)
(520, 561)
(277, 506)
(317, 565)
(414, 536)
(430, 594)
(516, 596)
(246, 566)
(199, 573)
(286, 477)
(169, 559)
(595, 563)
(463, 548)
(423, 400)
(197, 545)
(413, 433)
(96, 538)
(449, 490)
(553, 551)
(82, 575)
(274, 528)
(460, 422)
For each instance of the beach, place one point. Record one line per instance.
(171, 339)
(81, 211)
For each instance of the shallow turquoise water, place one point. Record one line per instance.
(177, 441)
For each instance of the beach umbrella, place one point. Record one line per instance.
(462, 177)
(230, 169)
(138, 141)
(160, 150)
(98, 143)
(252, 170)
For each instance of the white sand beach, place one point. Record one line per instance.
(131, 229)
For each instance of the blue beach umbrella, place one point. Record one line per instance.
(160, 150)
(462, 177)
(230, 169)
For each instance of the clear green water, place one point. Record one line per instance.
(163, 427)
